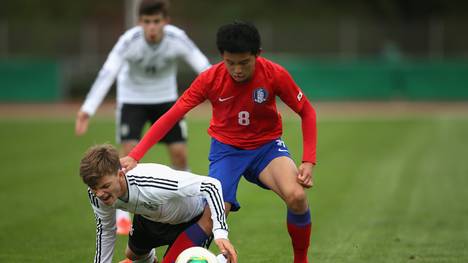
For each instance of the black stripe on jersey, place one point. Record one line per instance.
(140, 182)
(153, 178)
(158, 181)
(217, 206)
(93, 199)
(153, 185)
(97, 258)
(216, 197)
(206, 244)
(162, 185)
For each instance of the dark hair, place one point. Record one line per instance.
(238, 37)
(152, 7)
(99, 161)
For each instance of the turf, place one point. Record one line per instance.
(391, 190)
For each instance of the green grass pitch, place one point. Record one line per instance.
(388, 190)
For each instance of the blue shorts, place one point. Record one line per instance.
(228, 164)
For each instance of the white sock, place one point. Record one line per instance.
(122, 214)
(149, 258)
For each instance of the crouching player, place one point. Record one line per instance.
(168, 207)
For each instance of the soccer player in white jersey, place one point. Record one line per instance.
(170, 207)
(144, 61)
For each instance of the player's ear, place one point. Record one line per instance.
(140, 20)
(167, 19)
(260, 50)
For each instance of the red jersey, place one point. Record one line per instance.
(244, 115)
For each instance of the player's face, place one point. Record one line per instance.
(109, 188)
(153, 26)
(240, 66)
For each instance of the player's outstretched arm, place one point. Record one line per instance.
(127, 163)
(81, 123)
(227, 249)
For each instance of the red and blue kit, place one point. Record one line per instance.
(244, 115)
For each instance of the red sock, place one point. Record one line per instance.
(299, 228)
(191, 237)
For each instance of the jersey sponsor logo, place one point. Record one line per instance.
(260, 95)
(225, 99)
(299, 96)
(282, 150)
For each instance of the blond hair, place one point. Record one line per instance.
(99, 161)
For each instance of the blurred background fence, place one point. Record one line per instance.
(51, 50)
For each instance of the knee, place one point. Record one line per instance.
(179, 158)
(179, 155)
(296, 200)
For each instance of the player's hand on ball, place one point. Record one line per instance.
(306, 177)
(127, 163)
(227, 249)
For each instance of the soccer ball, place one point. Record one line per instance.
(196, 255)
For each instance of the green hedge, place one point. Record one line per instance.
(379, 79)
(29, 81)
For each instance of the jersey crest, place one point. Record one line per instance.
(260, 95)
(151, 69)
(299, 96)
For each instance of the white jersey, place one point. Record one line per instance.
(160, 194)
(146, 74)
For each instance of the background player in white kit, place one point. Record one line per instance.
(144, 61)
(168, 207)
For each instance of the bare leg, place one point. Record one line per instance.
(281, 176)
(178, 155)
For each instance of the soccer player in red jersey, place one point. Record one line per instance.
(246, 128)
